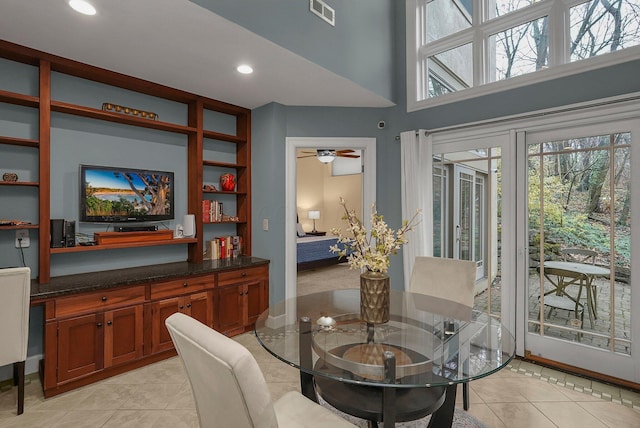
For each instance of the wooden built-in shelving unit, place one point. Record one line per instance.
(194, 130)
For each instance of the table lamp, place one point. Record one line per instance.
(314, 215)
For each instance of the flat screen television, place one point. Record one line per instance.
(110, 194)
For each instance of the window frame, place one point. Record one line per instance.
(559, 62)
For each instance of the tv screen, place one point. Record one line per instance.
(109, 194)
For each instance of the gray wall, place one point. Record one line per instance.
(360, 47)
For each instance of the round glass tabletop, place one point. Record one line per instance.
(322, 335)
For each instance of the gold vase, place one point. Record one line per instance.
(374, 297)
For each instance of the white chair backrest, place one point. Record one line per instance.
(227, 384)
(15, 294)
(445, 280)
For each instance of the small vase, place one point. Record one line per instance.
(374, 297)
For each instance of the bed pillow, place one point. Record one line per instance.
(300, 230)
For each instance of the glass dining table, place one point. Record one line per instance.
(401, 370)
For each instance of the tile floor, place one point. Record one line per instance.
(158, 395)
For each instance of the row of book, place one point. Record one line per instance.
(223, 247)
(211, 211)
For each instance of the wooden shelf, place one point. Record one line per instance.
(224, 222)
(82, 248)
(95, 113)
(16, 227)
(223, 192)
(223, 137)
(19, 99)
(223, 164)
(20, 183)
(19, 142)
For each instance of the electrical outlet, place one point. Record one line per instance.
(22, 238)
(265, 224)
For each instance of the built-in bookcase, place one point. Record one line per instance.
(45, 98)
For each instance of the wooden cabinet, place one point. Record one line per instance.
(95, 334)
(192, 296)
(110, 332)
(197, 305)
(242, 296)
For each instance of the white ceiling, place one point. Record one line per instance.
(182, 45)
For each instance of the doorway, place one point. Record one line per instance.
(366, 146)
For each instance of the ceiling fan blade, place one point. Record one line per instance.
(345, 151)
(348, 156)
(308, 156)
(304, 151)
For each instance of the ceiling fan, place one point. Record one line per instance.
(328, 155)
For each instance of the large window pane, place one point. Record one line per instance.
(602, 26)
(520, 50)
(445, 17)
(450, 71)
(503, 7)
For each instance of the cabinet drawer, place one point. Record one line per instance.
(99, 300)
(177, 287)
(241, 275)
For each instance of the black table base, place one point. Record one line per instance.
(366, 402)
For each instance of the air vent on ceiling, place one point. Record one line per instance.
(325, 12)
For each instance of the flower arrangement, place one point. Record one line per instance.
(370, 250)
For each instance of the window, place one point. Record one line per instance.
(462, 45)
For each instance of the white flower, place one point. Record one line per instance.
(370, 251)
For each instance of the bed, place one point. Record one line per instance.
(313, 252)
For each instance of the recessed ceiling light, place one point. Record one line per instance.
(82, 7)
(245, 69)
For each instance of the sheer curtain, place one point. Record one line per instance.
(417, 194)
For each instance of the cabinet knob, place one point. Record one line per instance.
(185, 284)
(243, 274)
(104, 298)
(181, 306)
(241, 293)
(109, 322)
(99, 324)
(188, 305)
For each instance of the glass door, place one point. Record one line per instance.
(580, 197)
(468, 193)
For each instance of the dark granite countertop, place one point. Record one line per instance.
(91, 281)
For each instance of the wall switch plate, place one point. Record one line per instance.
(265, 224)
(22, 238)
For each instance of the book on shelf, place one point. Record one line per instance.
(211, 211)
(223, 247)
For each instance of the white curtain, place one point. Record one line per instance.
(417, 194)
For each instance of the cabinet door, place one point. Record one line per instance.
(122, 335)
(230, 308)
(200, 307)
(161, 310)
(80, 346)
(255, 301)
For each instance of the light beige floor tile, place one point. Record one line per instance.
(183, 399)
(577, 395)
(32, 419)
(278, 389)
(613, 415)
(568, 415)
(82, 419)
(152, 396)
(497, 390)
(153, 419)
(520, 415)
(277, 371)
(483, 413)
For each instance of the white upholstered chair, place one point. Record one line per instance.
(449, 280)
(229, 388)
(15, 294)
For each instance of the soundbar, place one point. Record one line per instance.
(136, 228)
